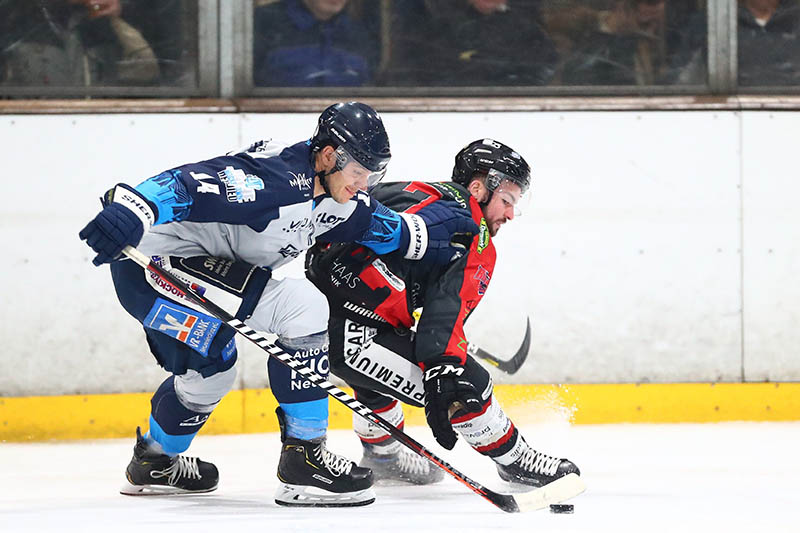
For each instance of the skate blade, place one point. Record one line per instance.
(306, 496)
(558, 491)
(129, 489)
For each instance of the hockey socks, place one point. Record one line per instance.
(173, 425)
(386, 457)
(491, 433)
(305, 405)
(377, 440)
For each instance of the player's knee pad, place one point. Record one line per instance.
(202, 394)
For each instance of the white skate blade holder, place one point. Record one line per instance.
(558, 491)
(129, 489)
(308, 496)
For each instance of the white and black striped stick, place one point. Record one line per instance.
(559, 490)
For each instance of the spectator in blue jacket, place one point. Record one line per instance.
(311, 43)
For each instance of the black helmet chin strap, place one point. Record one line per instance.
(323, 175)
(323, 180)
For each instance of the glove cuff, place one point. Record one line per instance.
(415, 233)
(134, 202)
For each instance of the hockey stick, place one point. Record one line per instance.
(563, 488)
(509, 366)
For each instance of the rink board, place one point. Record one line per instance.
(659, 247)
(40, 418)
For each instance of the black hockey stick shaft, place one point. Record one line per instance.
(504, 502)
(509, 366)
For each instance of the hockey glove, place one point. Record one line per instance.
(445, 223)
(122, 222)
(447, 390)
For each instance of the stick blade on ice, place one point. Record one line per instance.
(558, 491)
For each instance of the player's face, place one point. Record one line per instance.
(500, 208)
(353, 177)
(345, 183)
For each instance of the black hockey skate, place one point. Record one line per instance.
(536, 469)
(312, 476)
(403, 465)
(151, 473)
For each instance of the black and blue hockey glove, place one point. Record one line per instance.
(447, 391)
(447, 227)
(121, 223)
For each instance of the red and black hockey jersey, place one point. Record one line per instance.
(384, 290)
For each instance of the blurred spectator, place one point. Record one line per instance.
(75, 43)
(624, 45)
(768, 45)
(769, 42)
(311, 43)
(469, 43)
(163, 24)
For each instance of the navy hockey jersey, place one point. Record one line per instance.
(257, 206)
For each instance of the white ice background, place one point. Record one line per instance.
(731, 477)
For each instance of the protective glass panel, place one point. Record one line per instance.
(98, 43)
(479, 43)
(768, 36)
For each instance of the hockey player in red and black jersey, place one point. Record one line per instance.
(373, 348)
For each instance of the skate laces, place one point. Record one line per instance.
(539, 463)
(412, 463)
(336, 464)
(185, 467)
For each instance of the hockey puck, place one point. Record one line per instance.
(564, 508)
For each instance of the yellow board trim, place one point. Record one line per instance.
(39, 418)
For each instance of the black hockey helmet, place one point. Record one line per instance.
(356, 131)
(494, 158)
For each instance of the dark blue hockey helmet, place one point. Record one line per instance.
(356, 131)
(494, 158)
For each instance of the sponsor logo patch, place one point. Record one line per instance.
(482, 276)
(483, 236)
(289, 251)
(188, 326)
(196, 420)
(239, 186)
(300, 181)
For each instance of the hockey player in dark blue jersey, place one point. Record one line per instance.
(224, 224)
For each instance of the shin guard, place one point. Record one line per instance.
(490, 432)
(376, 439)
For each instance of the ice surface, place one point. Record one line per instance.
(732, 477)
